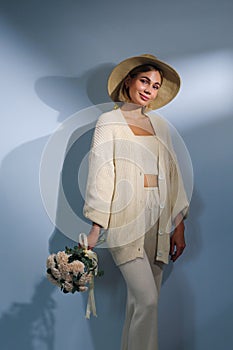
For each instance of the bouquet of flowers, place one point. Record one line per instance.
(73, 269)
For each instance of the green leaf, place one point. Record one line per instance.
(74, 290)
(100, 273)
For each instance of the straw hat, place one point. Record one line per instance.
(168, 90)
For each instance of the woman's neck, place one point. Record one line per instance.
(133, 110)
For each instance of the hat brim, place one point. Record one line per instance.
(168, 90)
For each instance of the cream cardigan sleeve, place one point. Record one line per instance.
(180, 204)
(101, 174)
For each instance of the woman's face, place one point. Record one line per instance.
(144, 87)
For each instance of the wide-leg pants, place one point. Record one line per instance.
(143, 277)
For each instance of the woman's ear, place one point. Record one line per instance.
(127, 81)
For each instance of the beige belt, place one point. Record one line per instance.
(150, 180)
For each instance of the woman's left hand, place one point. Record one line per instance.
(177, 244)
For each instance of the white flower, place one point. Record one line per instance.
(83, 288)
(77, 267)
(64, 274)
(50, 261)
(62, 258)
(68, 286)
(55, 273)
(68, 278)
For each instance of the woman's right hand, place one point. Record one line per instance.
(93, 236)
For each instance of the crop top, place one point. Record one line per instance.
(149, 150)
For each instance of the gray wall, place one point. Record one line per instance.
(54, 60)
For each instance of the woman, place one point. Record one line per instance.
(135, 191)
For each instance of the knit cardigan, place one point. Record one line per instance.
(115, 187)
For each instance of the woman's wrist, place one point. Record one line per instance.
(179, 221)
(96, 228)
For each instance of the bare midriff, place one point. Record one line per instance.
(150, 180)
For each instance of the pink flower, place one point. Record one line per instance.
(68, 286)
(77, 267)
(83, 289)
(50, 261)
(62, 258)
(55, 273)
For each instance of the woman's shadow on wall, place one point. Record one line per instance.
(109, 291)
(106, 287)
(33, 323)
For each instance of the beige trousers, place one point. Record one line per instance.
(143, 278)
